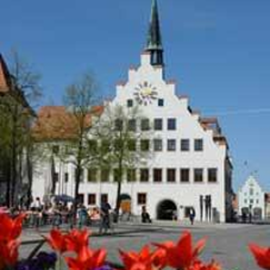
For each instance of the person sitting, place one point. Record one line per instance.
(145, 215)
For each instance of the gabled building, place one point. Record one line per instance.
(15, 115)
(251, 199)
(190, 166)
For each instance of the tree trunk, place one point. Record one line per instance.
(13, 158)
(119, 187)
(30, 179)
(77, 185)
(52, 191)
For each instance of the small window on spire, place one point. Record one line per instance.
(130, 103)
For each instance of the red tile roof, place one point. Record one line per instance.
(57, 123)
(4, 76)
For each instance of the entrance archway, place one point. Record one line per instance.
(125, 203)
(166, 210)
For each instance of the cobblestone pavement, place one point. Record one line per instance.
(227, 243)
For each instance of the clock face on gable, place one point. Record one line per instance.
(145, 93)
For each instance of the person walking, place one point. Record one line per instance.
(192, 215)
(105, 217)
(83, 215)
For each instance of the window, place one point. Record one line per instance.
(131, 125)
(145, 124)
(171, 145)
(66, 177)
(171, 124)
(251, 201)
(251, 191)
(118, 124)
(157, 145)
(257, 201)
(116, 175)
(198, 145)
(81, 198)
(141, 198)
(92, 175)
(92, 199)
(160, 102)
(145, 145)
(212, 175)
(55, 149)
(245, 201)
(171, 175)
(132, 145)
(158, 124)
(104, 198)
(55, 177)
(105, 175)
(144, 176)
(185, 145)
(131, 175)
(184, 175)
(198, 175)
(130, 103)
(157, 175)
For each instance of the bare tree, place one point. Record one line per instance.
(16, 118)
(80, 99)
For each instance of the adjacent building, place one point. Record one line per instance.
(16, 116)
(190, 166)
(251, 199)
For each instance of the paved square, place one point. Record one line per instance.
(226, 243)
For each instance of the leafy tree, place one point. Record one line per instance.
(124, 146)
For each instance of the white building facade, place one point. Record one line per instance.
(190, 165)
(251, 199)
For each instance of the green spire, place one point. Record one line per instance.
(154, 42)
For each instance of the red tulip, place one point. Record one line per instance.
(144, 260)
(159, 258)
(76, 239)
(10, 231)
(198, 265)
(57, 240)
(11, 227)
(182, 255)
(87, 259)
(9, 254)
(261, 255)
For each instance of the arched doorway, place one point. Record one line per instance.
(125, 203)
(166, 210)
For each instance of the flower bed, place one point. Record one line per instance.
(72, 248)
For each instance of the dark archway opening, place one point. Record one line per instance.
(166, 210)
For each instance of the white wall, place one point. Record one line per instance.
(188, 127)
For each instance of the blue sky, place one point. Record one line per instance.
(218, 51)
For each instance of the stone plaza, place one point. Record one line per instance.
(226, 243)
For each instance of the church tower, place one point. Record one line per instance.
(154, 40)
